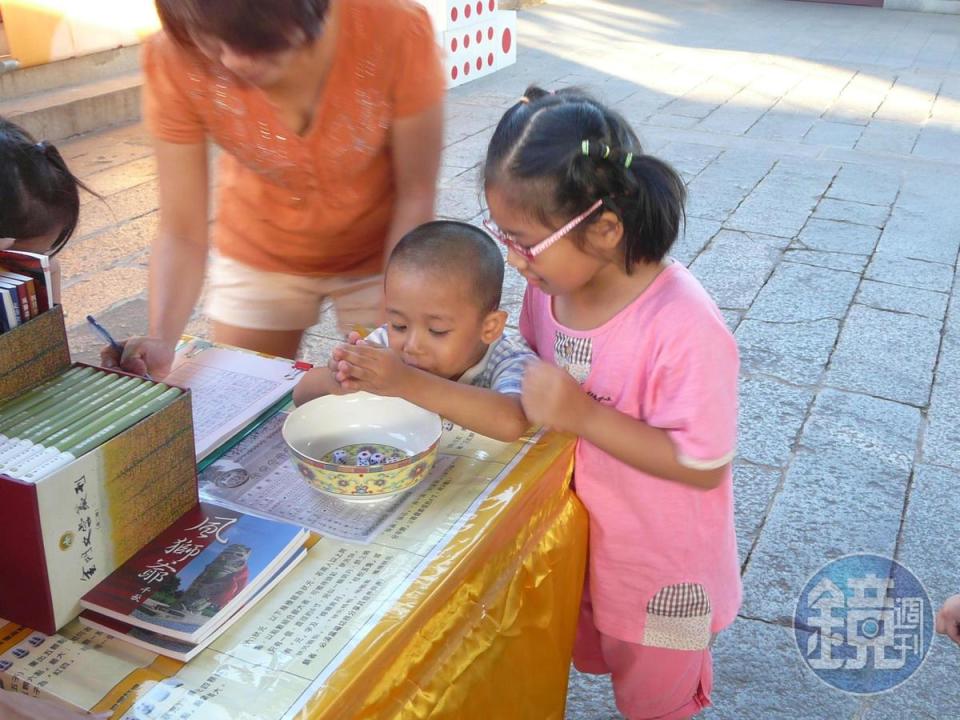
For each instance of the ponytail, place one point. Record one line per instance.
(560, 152)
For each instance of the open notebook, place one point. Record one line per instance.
(232, 389)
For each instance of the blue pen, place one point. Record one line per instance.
(108, 338)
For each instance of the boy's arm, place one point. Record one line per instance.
(496, 415)
(316, 383)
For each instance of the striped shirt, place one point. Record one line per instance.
(500, 369)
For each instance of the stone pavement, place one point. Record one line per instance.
(821, 146)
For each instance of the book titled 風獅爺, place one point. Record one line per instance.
(197, 573)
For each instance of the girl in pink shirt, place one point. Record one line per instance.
(640, 365)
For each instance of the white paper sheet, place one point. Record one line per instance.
(230, 388)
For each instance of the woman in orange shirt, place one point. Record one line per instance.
(329, 115)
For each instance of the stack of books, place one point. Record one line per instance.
(26, 289)
(187, 586)
(53, 423)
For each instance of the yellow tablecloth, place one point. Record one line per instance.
(488, 632)
(484, 631)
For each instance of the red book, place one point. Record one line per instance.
(197, 573)
(35, 266)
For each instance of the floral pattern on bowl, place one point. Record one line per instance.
(351, 480)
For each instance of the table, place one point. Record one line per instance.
(483, 628)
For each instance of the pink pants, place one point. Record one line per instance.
(649, 683)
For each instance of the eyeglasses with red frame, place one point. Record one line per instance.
(530, 252)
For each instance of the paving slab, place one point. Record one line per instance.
(838, 236)
(771, 415)
(796, 352)
(759, 675)
(784, 199)
(850, 211)
(832, 503)
(800, 293)
(887, 354)
(941, 438)
(885, 296)
(735, 265)
(755, 487)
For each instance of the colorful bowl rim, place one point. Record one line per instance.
(365, 469)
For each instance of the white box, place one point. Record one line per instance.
(472, 51)
(451, 14)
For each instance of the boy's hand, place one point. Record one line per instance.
(552, 398)
(948, 619)
(374, 369)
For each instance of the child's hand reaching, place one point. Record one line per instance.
(552, 398)
(372, 368)
(948, 619)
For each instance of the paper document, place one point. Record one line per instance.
(231, 388)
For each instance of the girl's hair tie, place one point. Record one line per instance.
(628, 160)
(602, 149)
(524, 100)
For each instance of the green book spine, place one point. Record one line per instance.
(52, 407)
(101, 403)
(18, 401)
(124, 422)
(37, 401)
(80, 429)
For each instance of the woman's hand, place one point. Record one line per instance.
(141, 356)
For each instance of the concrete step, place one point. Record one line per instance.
(70, 97)
(58, 114)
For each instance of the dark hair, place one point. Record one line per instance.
(250, 26)
(561, 152)
(38, 193)
(456, 251)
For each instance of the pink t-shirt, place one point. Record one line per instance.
(669, 360)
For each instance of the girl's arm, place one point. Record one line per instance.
(551, 397)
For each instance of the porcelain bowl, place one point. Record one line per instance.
(362, 446)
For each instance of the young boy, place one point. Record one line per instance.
(444, 347)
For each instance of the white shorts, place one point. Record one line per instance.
(246, 297)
